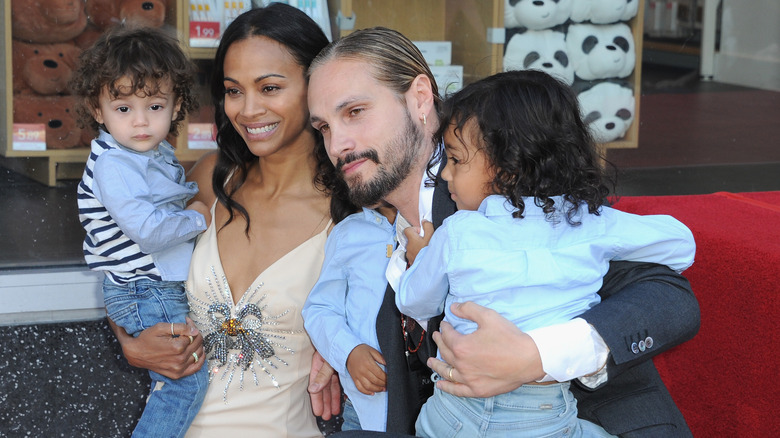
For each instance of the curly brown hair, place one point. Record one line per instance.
(149, 57)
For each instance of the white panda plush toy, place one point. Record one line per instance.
(601, 51)
(608, 110)
(604, 11)
(536, 14)
(543, 50)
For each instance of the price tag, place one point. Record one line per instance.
(204, 33)
(201, 136)
(29, 137)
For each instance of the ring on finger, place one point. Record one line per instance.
(195, 356)
(449, 374)
(191, 339)
(172, 333)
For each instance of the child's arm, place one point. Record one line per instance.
(202, 209)
(364, 370)
(424, 285)
(324, 312)
(119, 184)
(658, 239)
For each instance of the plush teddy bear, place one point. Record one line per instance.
(604, 11)
(608, 110)
(106, 13)
(601, 51)
(44, 69)
(543, 50)
(536, 14)
(56, 114)
(47, 21)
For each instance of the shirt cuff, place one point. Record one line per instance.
(571, 350)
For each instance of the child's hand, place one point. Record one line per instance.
(417, 242)
(362, 365)
(201, 208)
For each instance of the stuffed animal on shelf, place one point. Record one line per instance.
(608, 110)
(543, 50)
(56, 114)
(536, 14)
(47, 21)
(147, 13)
(43, 69)
(601, 51)
(604, 11)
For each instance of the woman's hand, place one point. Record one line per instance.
(324, 388)
(157, 350)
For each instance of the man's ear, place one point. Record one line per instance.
(420, 95)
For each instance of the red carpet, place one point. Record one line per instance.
(723, 380)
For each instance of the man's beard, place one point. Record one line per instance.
(401, 153)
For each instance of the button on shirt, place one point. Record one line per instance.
(132, 207)
(340, 312)
(534, 272)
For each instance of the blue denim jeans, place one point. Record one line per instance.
(350, 416)
(531, 410)
(172, 404)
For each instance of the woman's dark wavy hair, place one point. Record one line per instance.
(146, 56)
(304, 39)
(535, 141)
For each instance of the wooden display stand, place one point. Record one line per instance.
(475, 28)
(470, 25)
(48, 166)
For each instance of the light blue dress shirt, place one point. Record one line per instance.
(532, 271)
(132, 205)
(340, 312)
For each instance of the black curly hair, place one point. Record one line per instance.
(147, 56)
(536, 143)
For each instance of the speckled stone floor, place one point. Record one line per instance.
(70, 380)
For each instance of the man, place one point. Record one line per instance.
(375, 101)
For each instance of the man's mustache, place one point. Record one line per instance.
(369, 154)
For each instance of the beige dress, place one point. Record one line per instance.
(259, 355)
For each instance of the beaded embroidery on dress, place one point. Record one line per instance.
(245, 328)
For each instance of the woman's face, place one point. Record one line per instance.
(265, 96)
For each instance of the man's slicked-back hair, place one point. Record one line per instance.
(393, 59)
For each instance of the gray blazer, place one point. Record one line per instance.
(633, 403)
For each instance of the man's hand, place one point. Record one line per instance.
(415, 241)
(495, 359)
(369, 377)
(158, 350)
(324, 388)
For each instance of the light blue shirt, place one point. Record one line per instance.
(340, 312)
(532, 271)
(132, 206)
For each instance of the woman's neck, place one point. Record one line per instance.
(291, 168)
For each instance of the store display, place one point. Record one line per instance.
(584, 43)
(608, 109)
(543, 50)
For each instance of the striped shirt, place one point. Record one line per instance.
(131, 205)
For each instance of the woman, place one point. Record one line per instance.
(269, 185)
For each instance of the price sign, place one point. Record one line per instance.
(201, 136)
(29, 137)
(204, 33)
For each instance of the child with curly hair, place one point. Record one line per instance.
(532, 240)
(134, 87)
